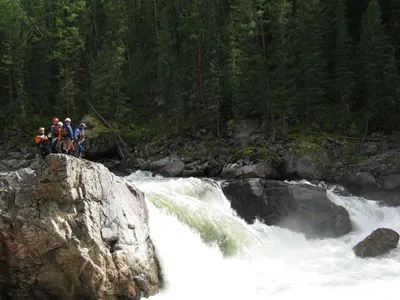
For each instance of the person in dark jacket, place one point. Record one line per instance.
(43, 143)
(68, 137)
(79, 140)
(54, 134)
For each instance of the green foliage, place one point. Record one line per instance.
(245, 152)
(135, 134)
(255, 153)
(14, 38)
(188, 65)
(343, 80)
(108, 81)
(378, 71)
(67, 34)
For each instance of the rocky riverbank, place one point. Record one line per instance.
(369, 167)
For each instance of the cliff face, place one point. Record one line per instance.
(72, 230)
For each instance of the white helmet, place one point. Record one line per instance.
(67, 120)
(60, 124)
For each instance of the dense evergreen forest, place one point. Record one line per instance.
(184, 65)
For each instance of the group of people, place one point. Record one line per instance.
(62, 139)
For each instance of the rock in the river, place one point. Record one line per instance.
(378, 242)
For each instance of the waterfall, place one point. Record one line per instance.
(207, 252)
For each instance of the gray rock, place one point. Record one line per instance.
(245, 131)
(391, 182)
(174, 168)
(260, 170)
(365, 178)
(240, 170)
(231, 170)
(299, 207)
(102, 146)
(168, 166)
(300, 165)
(14, 164)
(377, 243)
(73, 230)
(162, 162)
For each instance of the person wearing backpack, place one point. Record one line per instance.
(67, 137)
(79, 139)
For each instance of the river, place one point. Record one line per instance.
(207, 252)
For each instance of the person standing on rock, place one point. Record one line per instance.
(68, 137)
(43, 143)
(79, 139)
(58, 141)
(54, 134)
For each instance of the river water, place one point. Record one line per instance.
(207, 252)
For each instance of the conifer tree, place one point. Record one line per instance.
(311, 76)
(373, 58)
(14, 46)
(343, 81)
(68, 41)
(108, 82)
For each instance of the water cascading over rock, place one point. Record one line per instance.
(299, 207)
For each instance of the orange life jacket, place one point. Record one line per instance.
(38, 139)
(59, 136)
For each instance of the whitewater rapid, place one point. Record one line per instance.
(207, 252)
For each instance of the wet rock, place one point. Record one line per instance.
(377, 243)
(299, 207)
(168, 166)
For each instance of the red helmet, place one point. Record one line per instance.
(55, 120)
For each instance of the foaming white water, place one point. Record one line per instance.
(278, 264)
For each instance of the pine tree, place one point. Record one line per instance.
(14, 38)
(247, 58)
(282, 90)
(343, 80)
(311, 66)
(373, 57)
(216, 85)
(68, 42)
(108, 81)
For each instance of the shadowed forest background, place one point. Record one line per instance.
(181, 65)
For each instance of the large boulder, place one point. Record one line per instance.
(100, 141)
(263, 169)
(304, 166)
(103, 146)
(391, 182)
(299, 207)
(73, 230)
(169, 166)
(380, 241)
